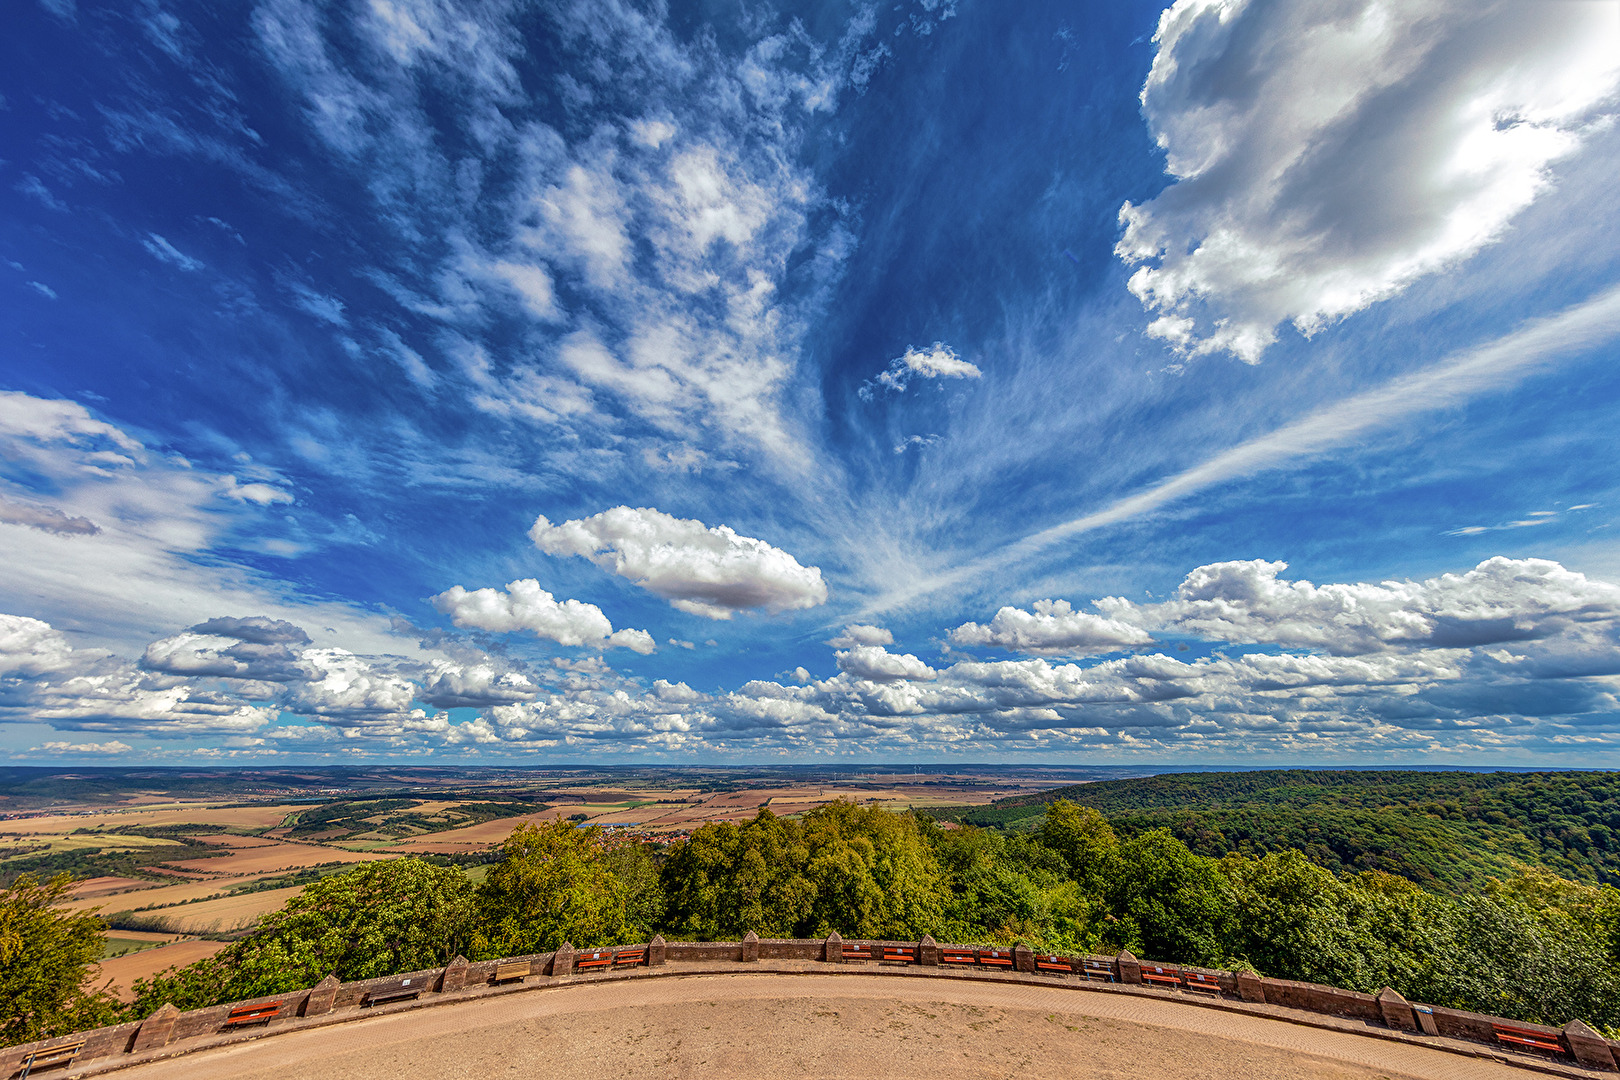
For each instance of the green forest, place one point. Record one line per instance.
(1524, 943)
(1449, 831)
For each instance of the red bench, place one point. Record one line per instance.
(1057, 965)
(1200, 983)
(899, 954)
(996, 957)
(1531, 1040)
(596, 958)
(262, 1013)
(1097, 970)
(629, 957)
(859, 953)
(1167, 977)
(958, 956)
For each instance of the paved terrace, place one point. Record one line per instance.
(792, 1018)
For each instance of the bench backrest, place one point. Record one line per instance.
(263, 1008)
(394, 986)
(57, 1052)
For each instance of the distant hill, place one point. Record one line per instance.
(1444, 830)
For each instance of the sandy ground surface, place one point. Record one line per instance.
(825, 1027)
(124, 970)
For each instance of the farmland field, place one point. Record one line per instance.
(122, 971)
(221, 916)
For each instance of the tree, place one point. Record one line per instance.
(378, 919)
(45, 955)
(554, 884)
(729, 879)
(1083, 837)
(1168, 904)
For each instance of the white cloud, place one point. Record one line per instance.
(44, 679)
(1328, 153)
(159, 522)
(113, 747)
(939, 361)
(876, 664)
(164, 251)
(524, 605)
(43, 289)
(713, 572)
(860, 634)
(1054, 628)
(1499, 601)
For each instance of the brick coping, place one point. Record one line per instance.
(676, 969)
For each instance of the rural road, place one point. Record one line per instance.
(783, 1026)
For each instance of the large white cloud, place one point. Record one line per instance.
(877, 664)
(524, 605)
(1054, 628)
(1499, 601)
(703, 570)
(1327, 153)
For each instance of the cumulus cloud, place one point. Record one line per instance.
(702, 570)
(447, 685)
(524, 605)
(860, 634)
(1328, 153)
(44, 679)
(876, 664)
(938, 361)
(1499, 601)
(1054, 628)
(112, 747)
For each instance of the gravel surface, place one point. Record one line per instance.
(779, 1026)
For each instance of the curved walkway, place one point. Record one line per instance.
(831, 1026)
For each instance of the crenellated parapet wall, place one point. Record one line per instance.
(170, 1031)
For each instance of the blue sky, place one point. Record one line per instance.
(525, 382)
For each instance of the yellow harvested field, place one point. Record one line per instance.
(219, 916)
(479, 837)
(269, 856)
(163, 894)
(122, 971)
(247, 817)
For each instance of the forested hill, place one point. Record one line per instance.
(1444, 830)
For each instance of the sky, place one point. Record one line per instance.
(496, 381)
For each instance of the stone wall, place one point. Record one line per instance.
(1388, 1010)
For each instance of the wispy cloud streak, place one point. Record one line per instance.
(1479, 370)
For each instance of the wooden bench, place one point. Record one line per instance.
(899, 954)
(1531, 1040)
(46, 1056)
(629, 957)
(1097, 970)
(596, 958)
(857, 953)
(262, 1013)
(1200, 983)
(511, 971)
(958, 956)
(1054, 965)
(1167, 977)
(996, 957)
(397, 990)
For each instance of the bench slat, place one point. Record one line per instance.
(1536, 1039)
(60, 1054)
